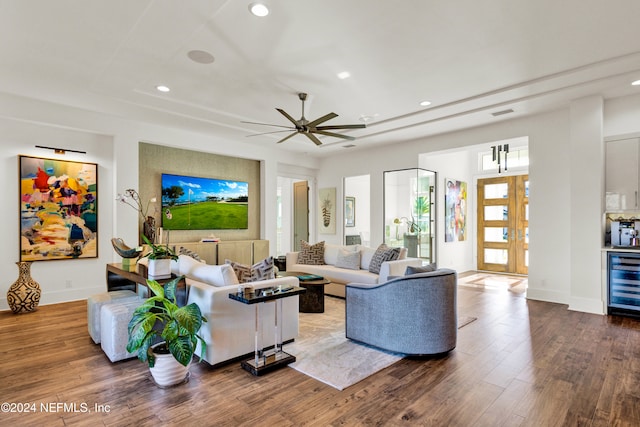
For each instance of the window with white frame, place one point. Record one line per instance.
(517, 158)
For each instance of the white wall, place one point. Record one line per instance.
(360, 188)
(458, 165)
(60, 280)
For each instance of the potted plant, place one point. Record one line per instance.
(160, 256)
(165, 335)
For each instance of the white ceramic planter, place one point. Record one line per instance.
(168, 371)
(159, 268)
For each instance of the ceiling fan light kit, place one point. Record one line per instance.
(310, 128)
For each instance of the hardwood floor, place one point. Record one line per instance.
(522, 363)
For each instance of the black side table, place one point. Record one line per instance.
(265, 361)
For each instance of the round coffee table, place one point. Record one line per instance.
(311, 301)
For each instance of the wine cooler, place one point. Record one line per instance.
(624, 283)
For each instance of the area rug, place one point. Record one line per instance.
(323, 352)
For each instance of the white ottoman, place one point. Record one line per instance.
(114, 320)
(96, 302)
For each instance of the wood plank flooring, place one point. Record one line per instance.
(522, 363)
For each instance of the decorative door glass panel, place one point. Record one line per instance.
(496, 213)
(496, 191)
(496, 234)
(496, 256)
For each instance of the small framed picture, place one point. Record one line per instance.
(350, 211)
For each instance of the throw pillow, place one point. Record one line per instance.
(422, 269)
(311, 254)
(262, 270)
(189, 252)
(331, 252)
(383, 253)
(366, 254)
(348, 259)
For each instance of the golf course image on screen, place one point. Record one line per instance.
(196, 203)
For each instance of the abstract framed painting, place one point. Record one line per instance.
(58, 209)
(455, 211)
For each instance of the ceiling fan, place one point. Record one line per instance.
(310, 129)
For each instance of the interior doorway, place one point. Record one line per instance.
(503, 224)
(300, 213)
(292, 216)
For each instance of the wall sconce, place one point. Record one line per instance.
(497, 155)
(61, 150)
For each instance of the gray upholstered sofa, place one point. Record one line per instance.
(413, 315)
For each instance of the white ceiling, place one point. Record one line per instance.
(469, 58)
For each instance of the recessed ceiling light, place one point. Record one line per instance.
(344, 75)
(200, 56)
(636, 83)
(163, 88)
(366, 118)
(425, 103)
(259, 9)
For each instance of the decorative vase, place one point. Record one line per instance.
(167, 371)
(149, 228)
(24, 295)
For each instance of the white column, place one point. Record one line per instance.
(586, 160)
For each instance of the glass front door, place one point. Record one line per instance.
(503, 224)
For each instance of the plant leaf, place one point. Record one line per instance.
(156, 288)
(182, 349)
(189, 317)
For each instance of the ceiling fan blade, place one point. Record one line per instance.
(313, 138)
(287, 137)
(336, 135)
(291, 119)
(322, 119)
(268, 124)
(268, 133)
(335, 127)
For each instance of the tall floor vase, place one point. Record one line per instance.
(24, 295)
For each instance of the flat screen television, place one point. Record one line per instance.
(195, 203)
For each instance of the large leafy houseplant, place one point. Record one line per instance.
(160, 318)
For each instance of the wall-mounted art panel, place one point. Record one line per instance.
(58, 209)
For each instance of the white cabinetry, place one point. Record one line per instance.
(622, 177)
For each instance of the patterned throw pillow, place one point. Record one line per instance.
(311, 254)
(383, 253)
(189, 252)
(262, 270)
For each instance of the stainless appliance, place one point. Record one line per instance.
(625, 233)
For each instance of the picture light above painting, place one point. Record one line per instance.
(196, 203)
